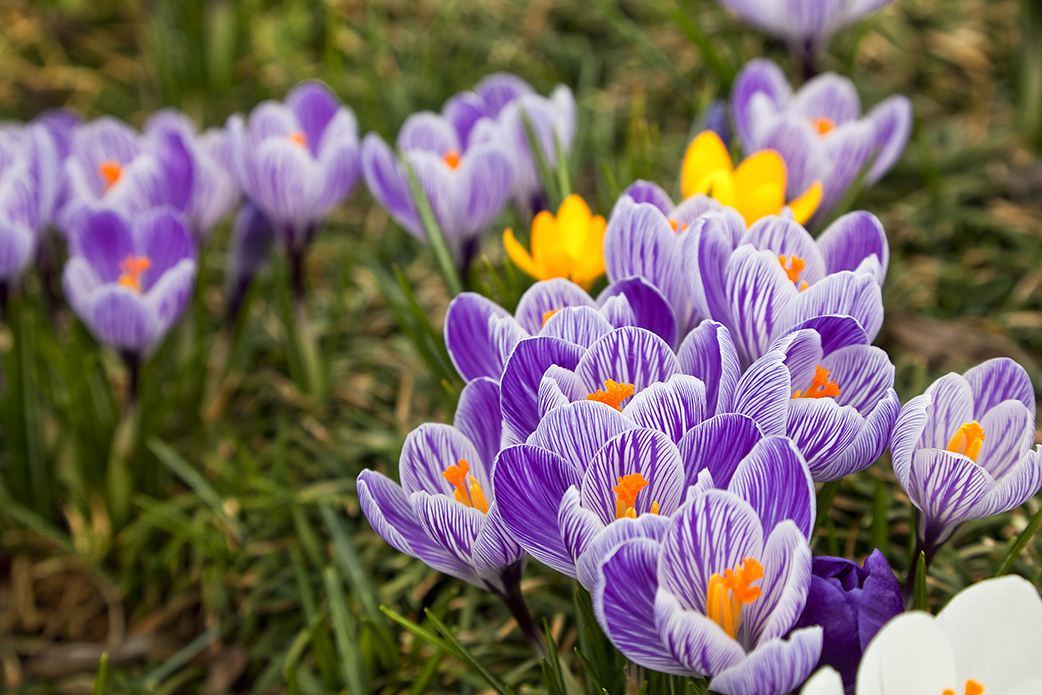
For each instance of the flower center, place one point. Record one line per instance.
(821, 386)
(110, 171)
(452, 158)
(629, 486)
(972, 688)
(298, 138)
(132, 268)
(612, 395)
(548, 314)
(968, 440)
(677, 226)
(467, 489)
(793, 267)
(730, 591)
(822, 125)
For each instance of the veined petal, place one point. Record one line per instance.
(428, 451)
(718, 445)
(946, 487)
(849, 147)
(774, 668)
(635, 302)
(579, 526)
(672, 407)
(786, 580)
(581, 325)
(641, 191)
(709, 354)
(546, 296)
(479, 336)
(450, 524)
(758, 76)
(1009, 431)
(952, 406)
(869, 445)
(494, 548)
(784, 237)
(908, 429)
(627, 355)
(759, 293)
(864, 374)
(843, 293)
(893, 120)
(385, 177)
(996, 380)
(699, 646)
(608, 538)
(578, 430)
(521, 377)
(823, 430)
(763, 394)
(773, 478)
(852, 238)
(479, 420)
(1020, 484)
(121, 318)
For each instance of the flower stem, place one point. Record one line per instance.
(305, 338)
(515, 602)
(118, 475)
(908, 590)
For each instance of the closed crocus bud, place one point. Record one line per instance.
(851, 603)
(248, 249)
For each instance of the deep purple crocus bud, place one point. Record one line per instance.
(851, 603)
(248, 249)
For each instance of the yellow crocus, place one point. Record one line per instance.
(570, 245)
(755, 189)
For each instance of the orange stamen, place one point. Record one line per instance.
(677, 226)
(793, 267)
(968, 440)
(823, 125)
(452, 158)
(110, 171)
(613, 394)
(972, 687)
(133, 267)
(821, 386)
(467, 490)
(626, 495)
(298, 138)
(729, 592)
(548, 314)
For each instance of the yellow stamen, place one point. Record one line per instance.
(298, 138)
(822, 125)
(794, 268)
(677, 226)
(968, 440)
(110, 171)
(821, 386)
(570, 245)
(629, 486)
(468, 491)
(548, 314)
(452, 158)
(613, 394)
(729, 592)
(756, 188)
(972, 687)
(133, 267)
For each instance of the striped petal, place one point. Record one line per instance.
(478, 419)
(759, 292)
(428, 451)
(635, 302)
(852, 238)
(823, 430)
(774, 668)
(699, 646)
(627, 355)
(449, 523)
(577, 431)
(775, 481)
(843, 294)
(718, 445)
(763, 394)
(672, 407)
(709, 354)
(479, 336)
(547, 296)
(521, 378)
(997, 380)
(946, 487)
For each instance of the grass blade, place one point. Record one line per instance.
(1018, 546)
(880, 520)
(466, 657)
(435, 237)
(919, 595)
(546, 177)
(824, 502)
(101, 679)
(345, 629)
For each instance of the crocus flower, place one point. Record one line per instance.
(773, 277)
(28, 191)
(296, 160)
(851, 603)
(570, 245)
(986, 640)
(480, 335)
(248, 249)
(818, 131)
(112, 166)
(963, 450)
(716, 594)
(806, 26)
(444, 513)
(129, 279)
(493, 111)
(214, 190)
(467, 184)
(756, 188)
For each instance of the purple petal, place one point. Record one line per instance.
(499, 89)
(834, 332)
(945, 486)
(104, 239)
(495, 549)
(827, 606)
(776, 667)
(17, 244)
(165, 238)
(486, 176)
(478, 419)
(177, 169)
(893, 119)
(521, 377)
(864, 374)
(952, 399)
(763, 394)
(641, 191)
(908, 430)
(429, 132)
(314, 105)
(843, 293)
(996, 380)
(286, 188)
(479, 336)
(759, 291)
(687, 212)
(786, 563)
(784, 237)
(635, 302)
(463, 111)
(849, 148)
(718, 445)
(880, 598)
(578, 430)
(1018, 486)
(869, 445)
(579, 526)
(428, 451)
(120, 318)
(802, 354)
(169, 295)
(338, 161)
(672, 407)
(801, 148)
(1009, 431)
(581, 325)
(388, 183)
(709, 354)
(758, 76)
(699, 645)
(828, 96)
(706, 250)
(546, 296)
(823, 430)
(101, 140)
(449, 523)
(530, 483)
(610, 537)
(775, 481)
(558, 388)
(627, 355)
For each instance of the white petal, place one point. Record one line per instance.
(909, 656)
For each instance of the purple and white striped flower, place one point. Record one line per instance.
(964, 449)
(215, 190)
(806, 25)
(248, 250)
(480, 335)
(444, 512)
(129, 279)
(296, 160)
(467, 183)
(774, 277)
(29, 170)
(62, 125)
(717, 593)
(112, 166)
(819, 130)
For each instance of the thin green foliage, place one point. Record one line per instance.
(919, 592)
(353, 670)
(1017, 547)
(435, 236)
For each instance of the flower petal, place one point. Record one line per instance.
(784, 237)
(893, 119)
(672, 407)
(759, 293)
(869, 445)
(910, 656)
(997, 380)
(386, 179)
(758, 76)
(786, 562)
(547, 296)
(778, 666)
(428, 451)
(908, 429)
(479, 336)
(775, 481)
(635, 302)
(627, 355)
(641, 191)
(852, 238)
(764, 393)
(952, 406)
(946, 487)
(581, 325)
(718, 445)
(610, 537)
(823, 430)
(709, 354)
(122, 319)
(1009, 431)
(843, 293)
(495, 549)
(1018, 486)
(314, 105)
(479, 420)
(578, 430)
(521, 377)
(579, 527)
(449, 523)
(699, 646)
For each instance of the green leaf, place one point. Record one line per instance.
(919, 595)
(466, 657)
(1018, 546)
(101, 678)
(161, 673)
(435, 237)
(880, 520)
(546, 177)
(824, 503)
(564, 184)
(430, 668)
(352, 668)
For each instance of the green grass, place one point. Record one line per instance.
(244, 564)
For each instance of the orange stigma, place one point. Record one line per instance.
(133, 267)
(968, 440)
(467, 489)
(298, 138)
(822, 125)
(821, 386)
(677, 226)
(110, 171)
(729, 592)
(972, 688)
(626, 495)
(793, 267)
(548, 314)
(613, 394)
(452, 158)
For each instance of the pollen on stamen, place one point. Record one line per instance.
(298, 138)
(793, 266)
(821, 386)
(629, 486)
(677, 226)
(968, 440)
(452, 158)
(727, 593)
(110, 171)
(823, 125)
(548, 314)
(972, 687)
(467, 491)
(613, 394)
(131, 269)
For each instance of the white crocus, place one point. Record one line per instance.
(988, 641)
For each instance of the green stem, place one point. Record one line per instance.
(1018, 547)
(435, 237)
(118, 476)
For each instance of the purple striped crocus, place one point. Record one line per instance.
(215, 190)
(964, 449)
(129, 279)
(444, 512)
(774, 277)
(296, 160)
(480, 335)
(29, 170)
(819, 130)
(717, 593)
